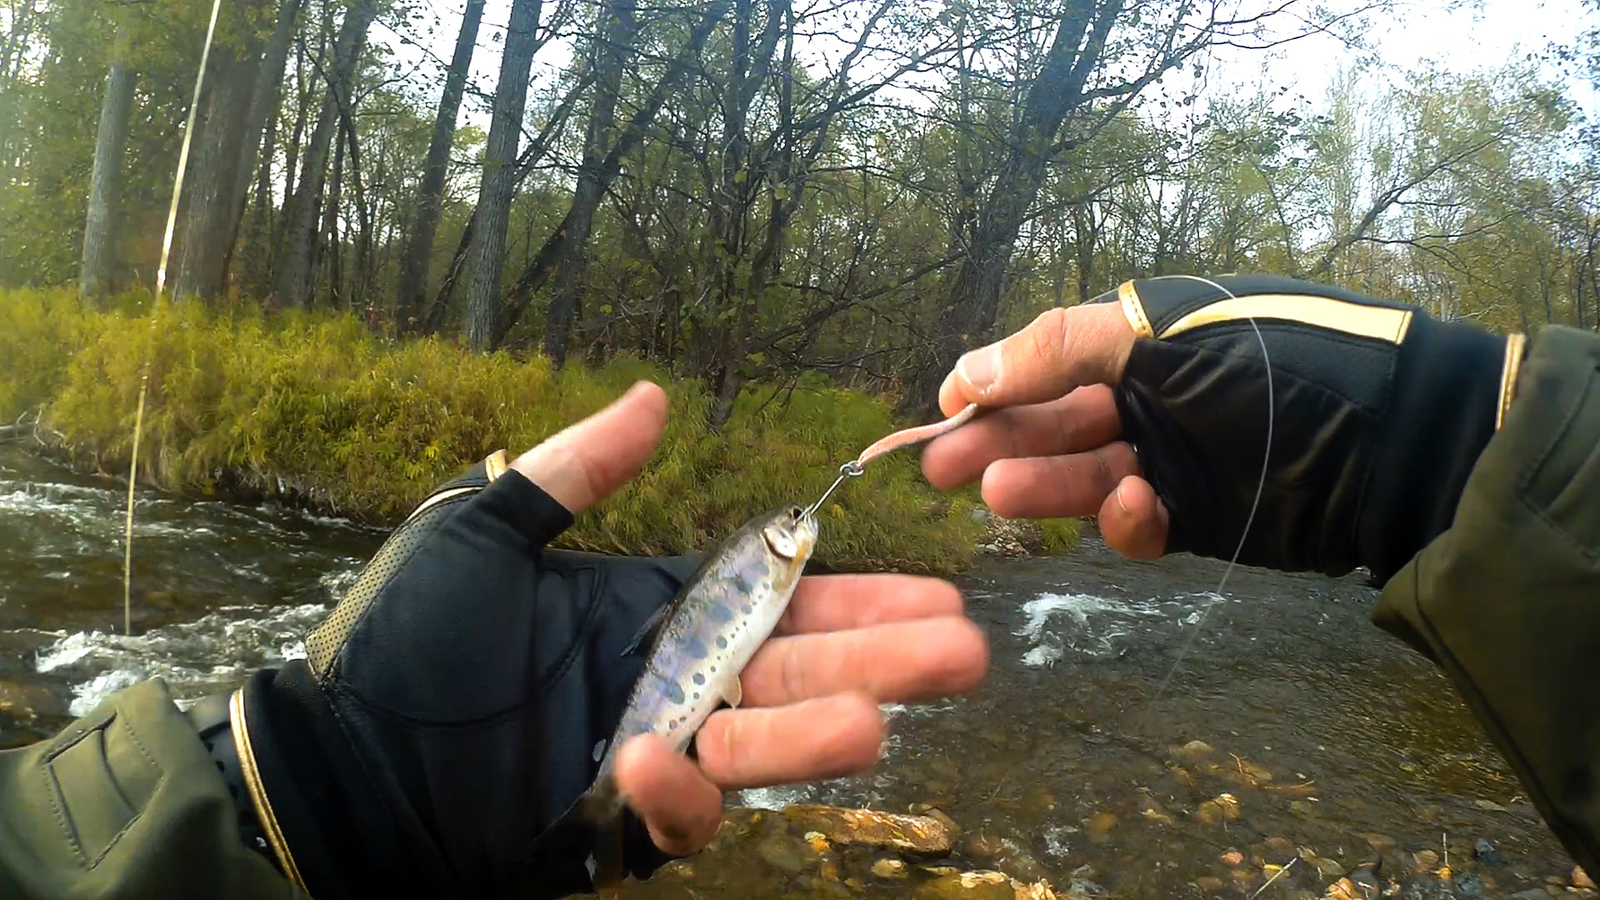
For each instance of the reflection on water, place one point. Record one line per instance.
(1330, 736)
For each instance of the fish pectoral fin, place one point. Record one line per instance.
(734, 695)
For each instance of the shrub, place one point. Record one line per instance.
(366, 427)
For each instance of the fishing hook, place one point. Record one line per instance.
(902, 438)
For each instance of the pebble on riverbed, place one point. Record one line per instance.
(912, 835)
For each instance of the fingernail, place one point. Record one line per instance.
(981, 367)
(1120, 504)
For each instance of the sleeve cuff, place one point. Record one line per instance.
(1516, 347)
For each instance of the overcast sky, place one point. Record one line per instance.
(1456, 36)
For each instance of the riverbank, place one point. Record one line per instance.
(313, 411)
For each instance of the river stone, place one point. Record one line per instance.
(1469, 887)
(986, 885)
(912, 835)
(1210, 884)
(1486, 853)
(1099, 825)
(783, 854)
(26, 701)
(889, 868)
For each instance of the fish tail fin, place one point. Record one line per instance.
(602, 808)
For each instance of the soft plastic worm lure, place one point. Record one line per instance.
(903, 438)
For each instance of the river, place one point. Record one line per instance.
(1291, 730)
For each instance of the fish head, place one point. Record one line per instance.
(790, 534)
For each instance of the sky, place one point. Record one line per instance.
(1455, 35)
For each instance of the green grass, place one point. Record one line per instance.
(366, 427)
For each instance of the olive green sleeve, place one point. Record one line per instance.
(1507, 600)
(125, 802)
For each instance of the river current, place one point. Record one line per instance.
(1291, 729)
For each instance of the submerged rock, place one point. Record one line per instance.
(986, 885)
(1486, 853)
(889, 868)
(1581, 879)
(911, 835)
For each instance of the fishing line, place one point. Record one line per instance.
(155, 311)
(1261, 485)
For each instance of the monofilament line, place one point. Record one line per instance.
(161, 284)
(1261, 485)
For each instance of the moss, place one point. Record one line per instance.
(366, 427)
(1059, 535)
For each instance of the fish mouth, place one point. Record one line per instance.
(792, 534)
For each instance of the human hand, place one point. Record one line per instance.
(1052, 443)
(1376, 414)
(445, 717)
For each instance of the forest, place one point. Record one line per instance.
(752, 195)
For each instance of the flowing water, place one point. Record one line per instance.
(1322, 740)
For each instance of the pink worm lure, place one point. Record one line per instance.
(903, 438)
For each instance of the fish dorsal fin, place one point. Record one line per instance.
(647, 630)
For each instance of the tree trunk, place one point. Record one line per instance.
(260, 134)
(414, 258)
(291, 161)
(105, 182)
(487, 253)
(972, 299)
(330, 232)
(538, 270)
(294, 278)
(214, 177)
(615, 35)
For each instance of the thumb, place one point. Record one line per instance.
(585, 463)
(1061, 350)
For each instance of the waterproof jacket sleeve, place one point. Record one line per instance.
(1507, 599)
(125, 803)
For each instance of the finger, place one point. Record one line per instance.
(670, 794)
(1060, 350)
(1054, 486)
(1082, 420)
(1134, 521)
(585, 463)
(837, 602)
(818, 739)
(901, 662)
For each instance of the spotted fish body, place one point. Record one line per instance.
(707, 635)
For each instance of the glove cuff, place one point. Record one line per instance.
(1452, 385)
(332, 833)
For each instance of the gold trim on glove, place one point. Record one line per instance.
(439, 498)
(258, 793)
(495, 465)
(1133, 308)
(1516, 345)
(1378, 322)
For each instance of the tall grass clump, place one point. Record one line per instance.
(310, 406)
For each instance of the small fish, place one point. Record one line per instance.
(707, 635)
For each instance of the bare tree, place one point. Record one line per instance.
(414, 258)
(486, 255)
(111, 138)
(294, 276)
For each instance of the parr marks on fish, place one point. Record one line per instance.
(713, 628)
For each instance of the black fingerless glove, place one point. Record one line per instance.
(1379, 414)
(447, 710)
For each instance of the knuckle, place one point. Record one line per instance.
(1047, 338)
